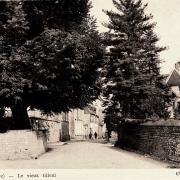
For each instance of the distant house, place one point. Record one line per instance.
(84, 121)
(75, 124)
(173, 81)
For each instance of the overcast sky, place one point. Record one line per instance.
(167, 15)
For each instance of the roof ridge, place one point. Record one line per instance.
(169, 76)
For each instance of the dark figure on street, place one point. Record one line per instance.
(90, 135)
(95, 135)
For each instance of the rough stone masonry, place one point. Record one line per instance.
(160, 141)
(22, 144)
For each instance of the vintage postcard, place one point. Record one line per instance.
(89, 89)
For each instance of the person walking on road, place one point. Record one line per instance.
(95, 135)
(90, 135)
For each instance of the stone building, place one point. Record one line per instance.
(76, 124)
(84, 121)
(173, 81)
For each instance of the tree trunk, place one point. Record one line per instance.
(20, 116)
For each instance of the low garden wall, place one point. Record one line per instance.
(160, 141)
(22, 144)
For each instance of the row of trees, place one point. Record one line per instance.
(51, 58)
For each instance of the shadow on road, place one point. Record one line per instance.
(140, 154)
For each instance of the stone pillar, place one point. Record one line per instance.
(71, 124)
(65, 128)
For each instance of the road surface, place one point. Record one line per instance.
(86, 155)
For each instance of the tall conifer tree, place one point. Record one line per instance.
(132, 68)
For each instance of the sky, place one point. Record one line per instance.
(167, 16)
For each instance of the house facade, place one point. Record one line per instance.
(75, 124)
(82, 122)
(173, 81)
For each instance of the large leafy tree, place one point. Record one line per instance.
(50, 56)
(132, 68)
(53, 14)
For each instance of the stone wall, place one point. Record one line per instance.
(160, 141)
(51, 123)
(22, 144)
(53, 132)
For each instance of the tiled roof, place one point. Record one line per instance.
(174, 78)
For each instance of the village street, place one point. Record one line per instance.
(86, 155)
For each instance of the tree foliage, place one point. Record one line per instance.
(50, 54)
(132, 69)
